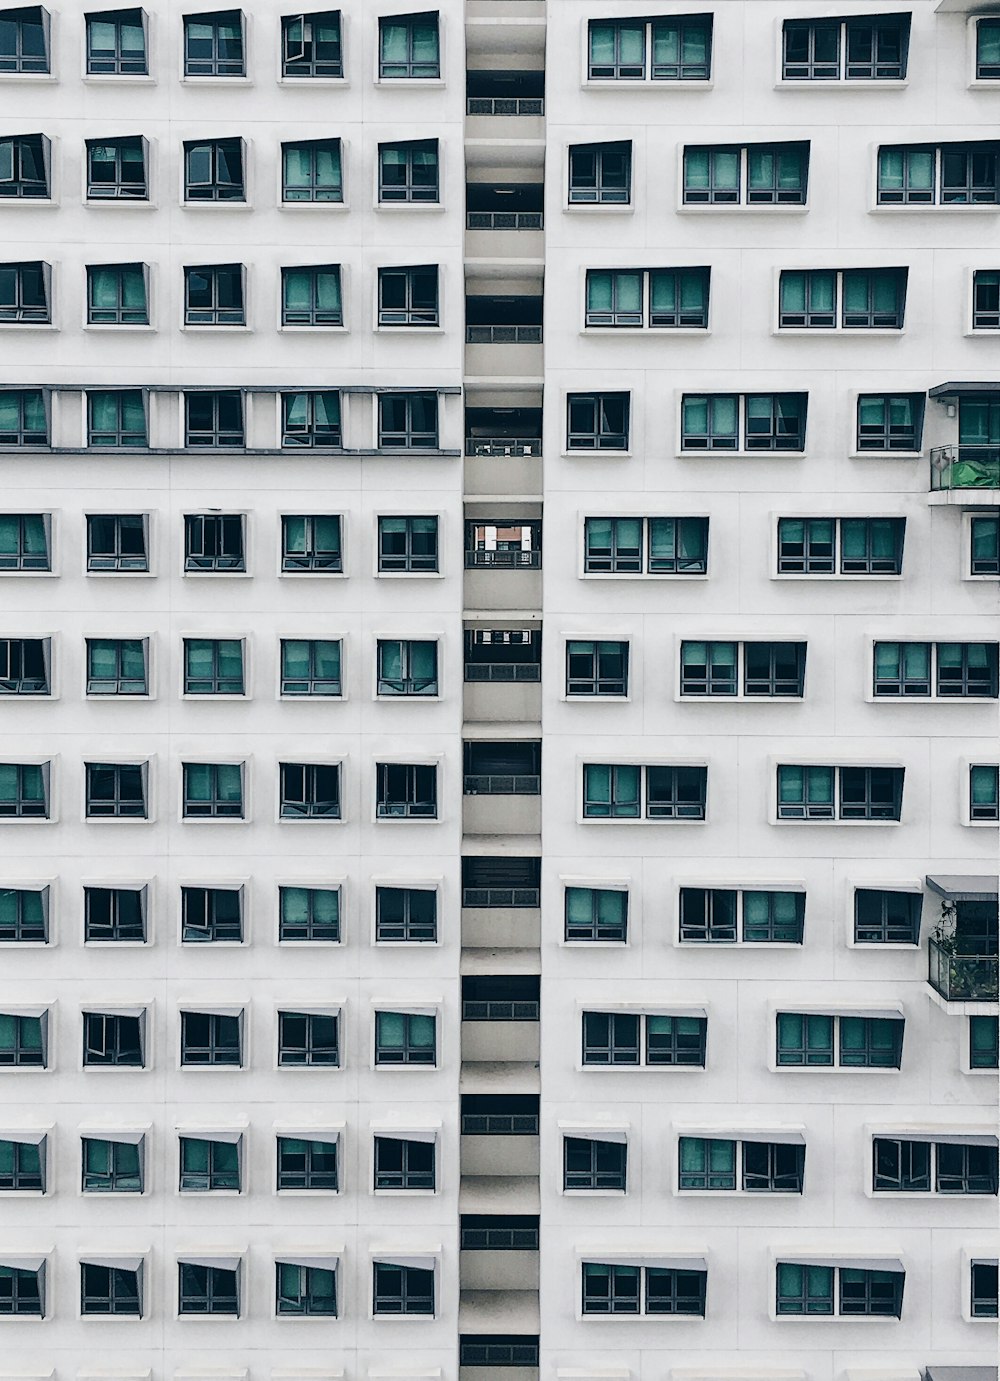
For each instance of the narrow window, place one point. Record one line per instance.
(24, 791)
(22, 1165)
(23, 1041)
(988, 69)
(23, 420)
(984, 1045)
(983, 1303)
(24, 666)
(22, 1291)
(986, 296)
(984, 792)
(24, 166)
(24, 915)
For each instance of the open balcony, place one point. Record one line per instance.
(500, 1015)
(505, 93)
(962, 952)
(966, 468)
(501, 901)
(502, 783)
(503, 336)
(503, 673)
(503, 560)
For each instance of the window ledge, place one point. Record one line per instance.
(321, 575)
(885, 455)
(575, 208)
(645, 331)
(301, 329)
(409, 575)
(619, 85)
(33, 203)
(975, 331)
(841, 824)
(102, 575)
(394, 207)
(308, 83)
(842, 84)
(115, 78)
(313, 206)
(762, 454)
(133, 203)
(116, 326)
(33, 78)
(830, 575)
(741, 208)
(28, 326)
(930, 699)
(221, 329)
(299, 699)
(217, 820)
(215, 575)
(650, 575)
(410, 83)
(215, 79)
(233, 205)
(595, 453)
(680, 698)
(838, 332)
(605, 820)
(984, 84)
(933, 209)
(413, 330)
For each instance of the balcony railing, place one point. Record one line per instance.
(502, 896)
(503, 671)
(965, 467)
(503, 335)
(493, 784)
(505, 105)
(499, 1124)
(497, 1010)
(965, 969)
(501, 446)
(503, 220)
(503, 560)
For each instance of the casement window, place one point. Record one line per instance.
(885, 917)
(408, 421)
(988, 51)
(308, 1039)
(311, 666)
(117, 666)
(729, 916)
(406, 791)
(214, 542)
(213, 170)
(748, 174)
(817, 1040)
(213, 44)
(983, 1299)
(24, 915)
(596, 668)
(212, 791)
(111, 1039)
(890, 422)
(840, 546)
(592, 1164)
(116, 169)
(920, 1166)
(211, 1038)
(642, 1290)
(311, 419)
(114, 914)
(497, 1232)
(676, 47)
(409, 46)
(213, 295)
(115, 790)
(851, 298)
(596, 914)
(938, 174)
(408, 171)
(116, 542)
(206, 1289)
(24, 39)
(113, 1167)
(769, 1167)
(213, 666)
(23, 1041)
(23, 420)
(24, 666)
(24, 541)
(490, 1114)
(402, 1163)
(841, 1291)
(984, 792)
(116, 295)
(613, 791)
(984, 1042)
(211, 915)
(651, 546)
(861, 48)
(750, 669)
(743, 422)
(628, 1038)
(311, 297)
(111, 1290)
(213, 419)
(209, 1165)
(986, 297)
(407, 544)
(305, 1290)
(22, 1165)
(839, 793)
(116, 44)
(311, 44)
(24, 791)
(309, 914)
(600, 174)
(311, 171)
(405, 1038)
(24, 166)
(24, 293)
(405, 915)
(402, 1289)
(22, 1291)
(408, 296)
(304, 1164)
(407, 667)
(116, 418)
(647, 297)
(935, 669)
(309, 791)
(597, 421)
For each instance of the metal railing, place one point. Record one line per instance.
(503, 560)
(503, 335)
(503, 671)
(505, 105)
(967, 976)
(499, 1240)
(503, 220)
(965, 467)
(501, 896)
(495, 784)
(477, 1351)
(499, 1124)
(503, 446)
(497, 1009)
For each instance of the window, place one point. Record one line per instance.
(208, 1289)
(405, 915)
(862, 48)
(24, 292)
(405, 1038)
(654, 546)
(613, 1038)
(730, 668)
(213, 295)
(311, 171)
(211, 915)
(868, 298)
(24, 915)
(751, 174)
(612, 792)
(311, 47)
(408, 421)
(212, 790)
(116, 168)
(596, 913)
(310, 666)
(210, 1038)
(402, 1289)
(24, 39)
(597, 421)
(407, 667)
(939, 669)
(110, 1039)
(311, 419)
(309, 914)
(950, 1167)
(679, 47)
(24, 541)
(984, 1044)
(114, 914)
(890, 423)
(23, 1041)
(213, 44)
(214, 542)
(115, 790)
(983, 1303)
(647, 297)
(943, 175)
(213, 419)
(748, 422)
(110, 1289)
(984, 792)
(308, 1039)
(209, 1165)
(987, 53)
(22, 1165)
(307, 1164)
(401, 1163)
(305, 1289)
(213, 666)
(645, 1290)
(309, 791)
(884, 917)
(24, 666)
(709, 1163)
(807, 1289)
(817, 1039)
(712, 915)
(23, 420)
(213, 170)
(596, 668)
(116, 666)
(409, 46)
(311, 297)
(407, 544)
(844, 546)
(408, 296)
(24, 166)
(408, 171)
(112, 1167)
(592, 1164)
(862, 793)
(986, 296)
(116, 542)
(116, 295)
(600, 174)
(22, 1291)
(116, 419)
(24, 791)
(116, 43)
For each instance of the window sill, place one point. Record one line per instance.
(307, 82)
(28, 820)
(618, 85)
(408, 820)
(644, 331)
(984, 84)
(830, 1069)
(841, 824)
(120, 203)
(118, 820)
(742, 209)
(644, 575)
(32, 78)
(54, 575)
(215, 575)
(410, 83)
(403, 1193)
(216, 820)
(762, 454)
(311, 820)
(408, 699)
(606, 820)
(30, 202)
(118, 78)
(231, 698)
(215, 79)
(233, 205)
(321, 575)
(885, 455)
(830, 575)
(194, 328)
(688, 699)
(394, 207)
(595, 453)
(935, 208)
(313, 205)
(119, 326)
(408, 575)
(117, 575)
(838, 332)
(297, 328)
(300, 699)
(576, 208)
(987, 331)
(18, 326)
(414, 330)
(842, 84)
(897, 700)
